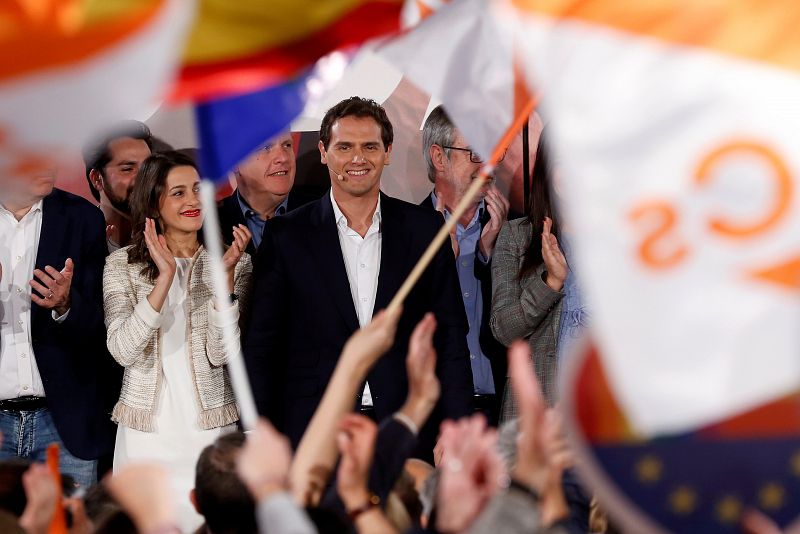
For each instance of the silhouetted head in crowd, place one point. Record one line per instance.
(218, 494)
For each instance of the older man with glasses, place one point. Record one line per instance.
(452, 165)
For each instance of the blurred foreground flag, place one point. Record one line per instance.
(705, 480)
(676, 127)
(249, 65)
(461, 55)
(68, 68)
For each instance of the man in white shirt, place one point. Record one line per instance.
(56, 379)
(325, 268)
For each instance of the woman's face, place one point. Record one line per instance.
(180, 204)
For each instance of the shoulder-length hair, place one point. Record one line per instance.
(145, 202)
(540, 205)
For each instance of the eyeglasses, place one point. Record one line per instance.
(474, 157)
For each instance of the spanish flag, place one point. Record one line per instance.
(247, 64)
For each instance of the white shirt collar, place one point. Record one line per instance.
(341, 219)
(36, 207)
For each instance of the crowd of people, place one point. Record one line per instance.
(437, 417)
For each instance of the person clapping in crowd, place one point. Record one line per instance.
(165, 326)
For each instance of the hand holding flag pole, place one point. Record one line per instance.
(236, 367)
(480, 181)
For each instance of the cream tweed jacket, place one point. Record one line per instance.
(134, 340)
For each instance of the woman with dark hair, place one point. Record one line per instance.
(164, 327)
(532, 286)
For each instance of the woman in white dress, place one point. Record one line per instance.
(164, 328)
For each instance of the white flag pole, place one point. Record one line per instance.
(236, 367)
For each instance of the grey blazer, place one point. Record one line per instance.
(524, 308)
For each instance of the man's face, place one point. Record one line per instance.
(460, 171)
(31, 184)
(269, 170)
(118, 177)
(356, 153)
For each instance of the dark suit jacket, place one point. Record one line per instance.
(493, 349)
(230, 214)
(81, 380)
(303, 314)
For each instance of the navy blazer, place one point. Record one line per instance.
(81, 380)
(303, 313)
(230, 215)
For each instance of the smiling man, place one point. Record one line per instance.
(112, 163)
(264, 184)
(324, 269)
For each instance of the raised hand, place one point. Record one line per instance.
(53, 287)
(263, 463)
(542, 450)
(241, 237)
(41, 493)
(159, 252)
(356, 442)
(145, 493)
(498, 207)
(554, 260)
(453, 239)
(370, 342)
(423, 385)
(471, 472)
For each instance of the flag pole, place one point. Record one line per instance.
(480, 181)
(236, 367)
(526, 165)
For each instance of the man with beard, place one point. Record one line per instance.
(111, 167)
(452, 166)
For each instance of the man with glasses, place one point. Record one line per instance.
(452, 166)
(264, 184)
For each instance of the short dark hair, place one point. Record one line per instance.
(221, 496)
(355, 106)
(97, 154)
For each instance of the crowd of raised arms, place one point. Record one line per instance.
(440, 416)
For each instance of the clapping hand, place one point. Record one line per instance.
(554, 260)
(241, 237)
(423, 385)
(160, 253)
(356, 442)
(498, 207)
(471, 472)
(542, 450)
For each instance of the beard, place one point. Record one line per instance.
(120, 204)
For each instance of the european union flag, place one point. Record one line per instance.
(699, 481)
